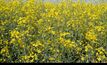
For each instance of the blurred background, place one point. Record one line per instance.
(87, 1)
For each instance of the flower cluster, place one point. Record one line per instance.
(46, 32)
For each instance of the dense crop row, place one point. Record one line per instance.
(65, 32)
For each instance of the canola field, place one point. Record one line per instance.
(65, 32)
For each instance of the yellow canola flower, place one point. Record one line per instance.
(40, 21)
(37, 43)
(15, 34)
(64, 34)
(4, 51)
(37, 32)
(56, 13)
(99, 28)
(23, 20)
(53, 32)
(88, 47)
(101, 51)
(13, 41)
(48, 29)
(38, 51)
(51, 58)
(67, 43)
(99, 59)
(82, 58)
(91, 36)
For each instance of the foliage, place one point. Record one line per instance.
(36, 32)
